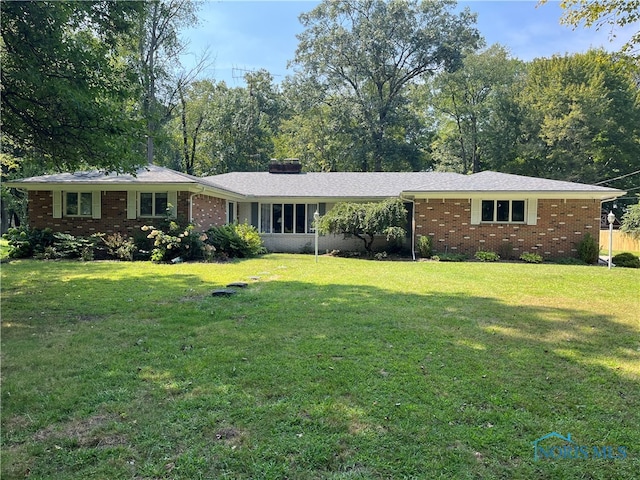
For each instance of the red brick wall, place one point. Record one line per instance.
(561, 225)
(208, 211)
(114, 215)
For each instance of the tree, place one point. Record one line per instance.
(631, 221)
(599, 13)
(66, 89)
(367, 53)
(366, 220)
(582, 118)
(156, 56)
(467, 105)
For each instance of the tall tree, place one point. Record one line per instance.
(467, 105)
(367, 52)
(66, 91)
(158, 50)
(582, 118)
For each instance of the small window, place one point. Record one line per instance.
(231, 212)
(154, 204)
(78, 204)
(503, 211)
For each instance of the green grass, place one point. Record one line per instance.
(342, 369)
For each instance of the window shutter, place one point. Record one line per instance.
(132, 209)
(532, 211)
(172, 198)
(476, 211)
(57, 204)
(322, 208)
(96, 205)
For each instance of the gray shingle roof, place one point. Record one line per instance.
(147, 174)
(389, 184)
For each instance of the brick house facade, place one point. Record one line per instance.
(561, 225)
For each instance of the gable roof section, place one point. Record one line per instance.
(147, 176)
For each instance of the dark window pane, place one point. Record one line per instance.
(277, 218)
(162, 203)
(288, 218)
(72, 203)
(300, 220)
(503, 211)
(232, 215)
(517, 211)
(487, 210)
(85, 204)
(146, 204)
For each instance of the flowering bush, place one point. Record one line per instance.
(176, 242)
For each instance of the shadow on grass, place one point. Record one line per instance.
(293, 379)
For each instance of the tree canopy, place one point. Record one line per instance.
(366, 53)
(67, 98)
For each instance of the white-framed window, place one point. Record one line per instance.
(153, 204)
(78, 204)
(287, 217)
(503, 211)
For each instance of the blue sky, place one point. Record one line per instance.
(248, 35)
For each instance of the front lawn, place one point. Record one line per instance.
(341, 369)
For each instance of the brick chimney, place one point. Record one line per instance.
(288, 165)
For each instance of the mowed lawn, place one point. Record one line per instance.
(344, 369)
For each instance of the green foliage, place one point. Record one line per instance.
(631, 221)
(588, 249)
(411, 38)
(174, 242)
(449, 257)
(119, 246)
(626, 259)
(365, 220)
(424, 246)
(531, 257)
(25, 242)
(67, 91)
(485, 256)
(236, 240)
(69, 246)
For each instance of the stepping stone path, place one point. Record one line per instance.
(237, 284)
(223, 292)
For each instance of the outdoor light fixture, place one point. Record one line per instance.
(610, 218)
(316, 218)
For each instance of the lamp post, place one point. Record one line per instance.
(316, 218)
(610, 218)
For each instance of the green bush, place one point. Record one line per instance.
(424, 246)
(175, 243)
(484, 256)
(531, 258)
(588, 249)
(69, 246)
(449, 257)
(626, 259)
(26, 243)
(235, 240)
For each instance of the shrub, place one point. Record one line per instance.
(626, 259)
(236, 240)
(119, 246)
(424, 246)
(486, 256)
(588, 249)
(449, 257)
(531, 258)
(380, 255)
(176, 242)
(25, 242)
